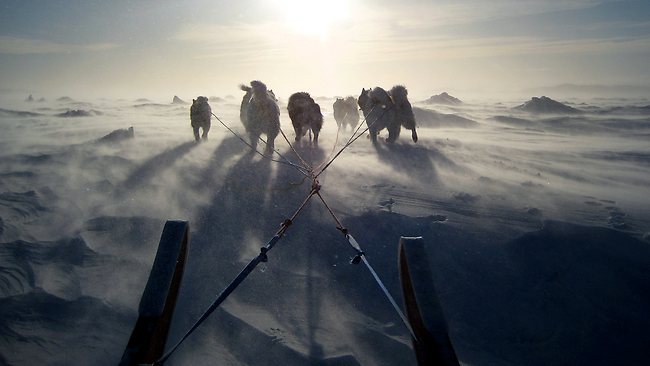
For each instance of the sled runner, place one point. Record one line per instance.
(148, 341)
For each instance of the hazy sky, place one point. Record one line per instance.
(158, 48)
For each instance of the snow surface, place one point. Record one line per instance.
(537, 228)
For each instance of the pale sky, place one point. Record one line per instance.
(158, 48)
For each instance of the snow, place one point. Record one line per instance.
(536, 226)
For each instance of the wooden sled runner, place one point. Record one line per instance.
(148, 340)
(432, 346)
(149, 336)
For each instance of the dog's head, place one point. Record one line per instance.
(364, 98)
(200, 100)
(259, 88)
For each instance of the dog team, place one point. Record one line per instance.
(260, 114)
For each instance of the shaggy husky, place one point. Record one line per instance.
(403, 110)
(346, 112)
(200, 114)
(260, 114)
(377, 108)
(305, 115)
(390, 111)
(243, 109)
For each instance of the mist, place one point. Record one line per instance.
(528, 182)
(83, 201)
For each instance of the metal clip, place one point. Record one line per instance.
(263, 256)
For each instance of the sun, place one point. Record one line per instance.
(313, 17)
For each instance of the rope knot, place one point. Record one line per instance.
(357, 258)
(315, 186)
(283, 227)
(263, 256)
(286, 223)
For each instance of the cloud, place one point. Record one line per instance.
(427, 31)
(423, 30)
(459, 48)
(100, 46)
(371, 39)
(28, 46)
(424, 14)
(243, 42)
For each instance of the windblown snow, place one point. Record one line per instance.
(537, 227)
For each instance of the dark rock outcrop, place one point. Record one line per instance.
(546, 105)
(443, 98)
(117, 136)
(178, 100)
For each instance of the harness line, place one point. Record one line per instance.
(365, 118)
(352, 140)
(304, 163)
(361, 255)
(286, 162)
(261, 257)
(336, 141)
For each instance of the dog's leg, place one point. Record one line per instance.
(196, 133)
(206, 129)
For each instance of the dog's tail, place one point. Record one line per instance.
(399, 94)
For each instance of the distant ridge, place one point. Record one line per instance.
(118, 135)
(546, 105)
(443, 98)
(593, 90)
(14, 113)
(79, 113)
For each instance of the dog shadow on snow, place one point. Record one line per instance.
(142, 175)
(254, 198)
(413, 160)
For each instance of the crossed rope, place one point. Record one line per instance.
(313, 174)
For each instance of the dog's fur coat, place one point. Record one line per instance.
(260, 114)
(305, 115)
(346, 112)
(200, 114)
(387, 110)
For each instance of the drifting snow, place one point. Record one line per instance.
(537, 232)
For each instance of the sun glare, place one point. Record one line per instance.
(313, 17)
